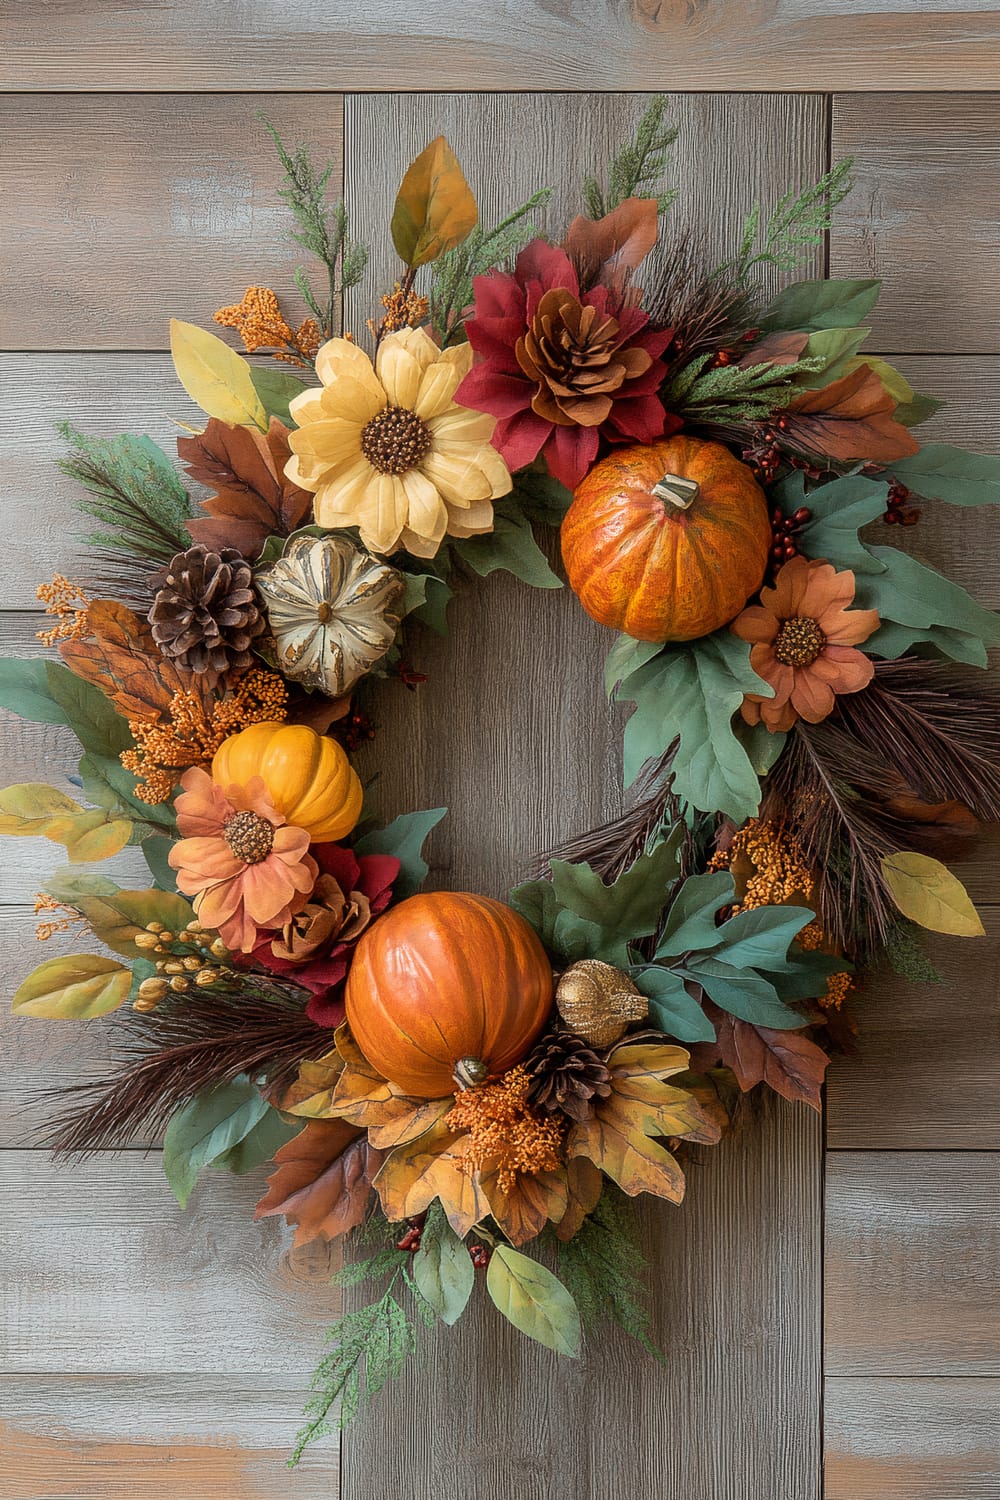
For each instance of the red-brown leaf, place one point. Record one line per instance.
(607, 250)
(253, 499)
(787, 1061)
(323, 1180)
(784, 348)
(119, 656)
(852, 418)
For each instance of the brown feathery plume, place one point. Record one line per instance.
(187, 1044)
(707, 312)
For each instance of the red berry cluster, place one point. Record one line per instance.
(354, 730)
(411, 1239)
(479, 1255)
(784, 534)
(901, 510)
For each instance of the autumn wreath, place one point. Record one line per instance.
(470, 1086)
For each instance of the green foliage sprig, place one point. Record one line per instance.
(323, 229)
(133, 492)
(703, 392)
(484, 250)
(602, 1265)
(638, 167)
(797, 223)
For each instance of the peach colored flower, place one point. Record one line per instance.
(803, 644)
(245, 867)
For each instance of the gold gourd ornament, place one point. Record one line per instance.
(333, 611)
(598, 1002)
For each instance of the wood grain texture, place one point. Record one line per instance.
(734, 1291)
(124, 213)
(927, 1073)
(524, 752)
(104, 1274)
(912, 1242)
(923, 215)
(158, 1437)
(541, 44)
(912, 1439)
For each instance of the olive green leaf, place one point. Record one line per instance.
(929, 894)
(76, 987)
(535, 1301)
(810, 306)
(276, 388)
(443, 1271)
(116, 916)
(215, 377)
(511, 546)
(36, 810)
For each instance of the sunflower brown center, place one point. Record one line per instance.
(799, 642)
(249, 836)
(395, 440)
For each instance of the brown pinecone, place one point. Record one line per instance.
(580, 358)
(206, 612)
(567, 1076)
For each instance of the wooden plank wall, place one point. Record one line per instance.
(149, 1353)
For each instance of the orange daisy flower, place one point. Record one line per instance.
(803, 644)
(244, 865)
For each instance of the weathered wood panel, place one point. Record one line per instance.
(923, 215)
(105, 1275)
(912, 1245)
(912, 1439)
(511, 731)
(122, 214)
(539, 44)
(927, 1073)
(734, 1275)
(157, 1437)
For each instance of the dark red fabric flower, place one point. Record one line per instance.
(314, 946)
(561, 369)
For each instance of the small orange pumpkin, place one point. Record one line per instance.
(667, 541)
(444, 978)
(308, 776)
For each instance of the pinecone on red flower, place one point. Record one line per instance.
(560, 368)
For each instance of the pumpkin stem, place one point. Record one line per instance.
(680, 492)
(469, 1072)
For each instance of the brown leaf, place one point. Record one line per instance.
(430, 1167)
(323, 1180)
(616, 1141)
(253, 499)
(787, 1061)
(784, 348)
(585, 1184)
(953, 815)
(851, 418)
(523, 1210)
(120, 657)
(607, 250)
(706, 1091)
(317, 711)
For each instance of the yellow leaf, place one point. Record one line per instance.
(435, 209)
(36, 810)
(929, 894)
(431, 1167)
(215, 377)
(311, 1095)
(73, 988)
(615, 1141)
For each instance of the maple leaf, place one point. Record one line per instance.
(311, 1093)
(120, 657)
(620, 1138)
(524, 1209)
(366, 1099)
(585, 1184)
(787, 1061)
(323, 1180)
(851, 418)
(430, 1167)
(253, 499)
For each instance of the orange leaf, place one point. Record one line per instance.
(311, 1095)
(120, 657)
(435, 209)
(524, 1210)
(431, 1167)
(253, 499)
(615, 1141)
(374, 1104)
(323, 1180)
(852, 418)
(585, 1184)
(607, 250)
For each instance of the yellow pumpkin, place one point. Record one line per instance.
(308, 776)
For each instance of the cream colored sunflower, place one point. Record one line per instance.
(386, 449)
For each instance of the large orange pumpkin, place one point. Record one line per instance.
(667, 541)
(442, 978)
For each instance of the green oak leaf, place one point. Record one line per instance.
(674, 1010)
(510, 545)
(404, 838)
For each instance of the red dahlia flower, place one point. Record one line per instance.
(561, 369)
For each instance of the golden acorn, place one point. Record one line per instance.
(599, 1002)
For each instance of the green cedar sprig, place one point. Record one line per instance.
(797, 224)
(602, 1265)
(134, 494)
(637, 168)
(484, 250)
(702, 392)
(323, 229)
